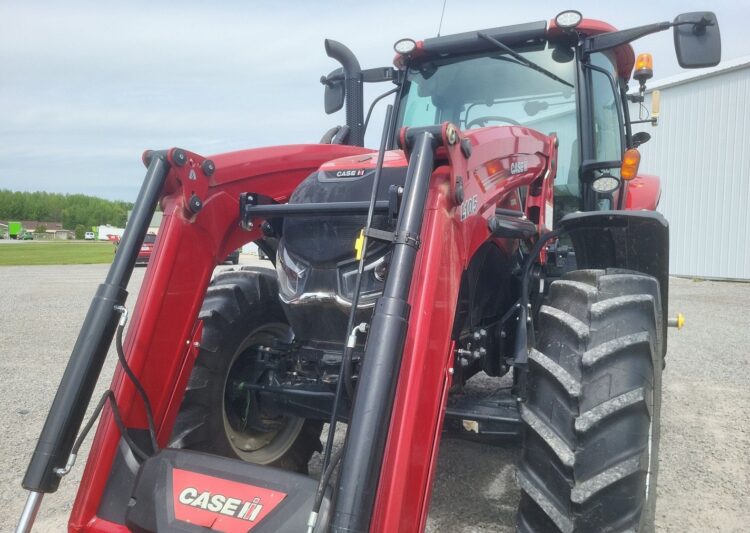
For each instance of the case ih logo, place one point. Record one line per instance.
(350, 173)
(220, 504)
(518, 167)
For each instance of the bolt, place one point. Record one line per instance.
(451, 134)
(483, 332)
(267, 229)
(503, 334)
(451, 371)
(195, 204)
(179, 157)
(197, 344)
(208, 167)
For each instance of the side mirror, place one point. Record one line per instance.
(640, 138)
(697, 41)
(335, 92)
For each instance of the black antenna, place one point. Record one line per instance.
(442, 14)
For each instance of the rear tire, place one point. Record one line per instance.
(591, 419)
(241, 311)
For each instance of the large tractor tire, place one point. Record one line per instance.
(591, 419)
(240, 313)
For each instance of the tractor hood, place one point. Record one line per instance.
(316, 264)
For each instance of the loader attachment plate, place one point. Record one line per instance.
(186, 491)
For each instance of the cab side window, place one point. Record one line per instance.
(607, 135)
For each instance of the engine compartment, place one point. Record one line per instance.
(316, 266)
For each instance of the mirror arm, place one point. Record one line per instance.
(379, 74)
(606, 41)
(613, 39)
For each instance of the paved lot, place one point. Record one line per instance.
(704, 481)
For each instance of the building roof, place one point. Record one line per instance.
(690, 76)
(31, 225)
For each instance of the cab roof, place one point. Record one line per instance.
(527, 33)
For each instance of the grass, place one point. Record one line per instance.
(55, 253)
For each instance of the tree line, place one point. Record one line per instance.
(70, 209)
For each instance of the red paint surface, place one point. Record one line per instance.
(643, 192)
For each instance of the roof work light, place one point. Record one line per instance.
(568, 19)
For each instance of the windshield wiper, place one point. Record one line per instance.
(523, 59)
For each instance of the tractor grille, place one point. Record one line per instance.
(325, 241)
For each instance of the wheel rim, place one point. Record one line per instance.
(255, 433)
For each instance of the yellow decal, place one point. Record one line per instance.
(359, 244)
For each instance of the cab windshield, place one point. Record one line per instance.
(495, 89)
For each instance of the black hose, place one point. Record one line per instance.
(372, 106)
(326, 479)
(138, 387)
(109, 395)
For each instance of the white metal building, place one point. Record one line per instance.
(701, 151)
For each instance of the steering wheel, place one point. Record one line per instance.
(481, 121)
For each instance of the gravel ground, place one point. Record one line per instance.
(704, 481)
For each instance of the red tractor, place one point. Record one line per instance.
(500, 228)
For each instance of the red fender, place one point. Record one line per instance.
(643, 192)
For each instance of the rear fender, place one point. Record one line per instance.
(634, 240)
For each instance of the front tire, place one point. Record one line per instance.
(591, 419)
(240, 313)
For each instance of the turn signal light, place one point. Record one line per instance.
(630, 162)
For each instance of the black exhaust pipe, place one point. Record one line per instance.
(353, 89)
(84, 366)
(371, 414)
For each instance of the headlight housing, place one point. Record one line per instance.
(291, 272)
(373, 279)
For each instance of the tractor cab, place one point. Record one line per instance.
(568, 77)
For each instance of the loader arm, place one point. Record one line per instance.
(161, 341)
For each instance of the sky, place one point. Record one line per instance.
(87, 86)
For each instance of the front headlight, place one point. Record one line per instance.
(291, 272)
(373, 279)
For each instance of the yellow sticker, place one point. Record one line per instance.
(359, 244)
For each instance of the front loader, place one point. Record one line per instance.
(500, 228)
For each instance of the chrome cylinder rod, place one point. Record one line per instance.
(26, 522)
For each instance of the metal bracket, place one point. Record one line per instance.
(401, 237)
(192, 172)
